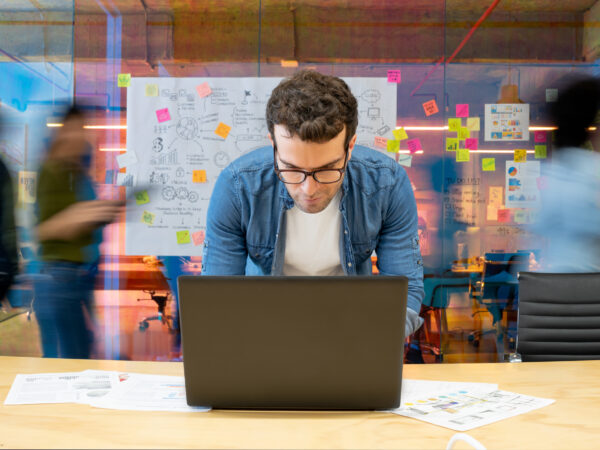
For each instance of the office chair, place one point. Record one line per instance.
(559, 316)
(161, 302)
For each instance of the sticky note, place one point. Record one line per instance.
(473, 124)
(495, 197)
(289, 63)
(141, 198)
(472, 143)
(462, 155)
(492, 212)
(504, 215)
(151, 90)
(539, 136)
(463, 133)
(542, 183)
(551, 95)
(393, 146)
(124, 79)
(198, 237)
(540, 152)
(400, 134)
(521, 216)
(148, 217)
(203, 90)
(462, 110)
(488, 164)
(430, 108)
(199, 176)
(451, 144)
(222, 130)
(394, 76)
(414, 145)
(126, 159)
(405, 160)
(520, 155)
(183, 237)
(454, 124)
(380, 142)
(163, 115)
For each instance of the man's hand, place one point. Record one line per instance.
(79, 218)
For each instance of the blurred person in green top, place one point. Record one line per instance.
(69, 230)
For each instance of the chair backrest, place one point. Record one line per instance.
(559, 316)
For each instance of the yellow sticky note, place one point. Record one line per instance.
(124, 79)
(393, 146)
(451, 144)
(148, 217)
(462, 155)
(463, 133)
(400, 134)
(473, 124)
(540, 152)
(223, 130)
(454, 124)
(142, 197)
(488, 164)
(199, 176)
(151, 90)
(183, 237)
(520, 155)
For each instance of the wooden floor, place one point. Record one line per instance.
(118, 334)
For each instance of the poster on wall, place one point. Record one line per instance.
(521, 184)
(182, 132)
(507, 122)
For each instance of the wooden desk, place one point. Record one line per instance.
(572, 422)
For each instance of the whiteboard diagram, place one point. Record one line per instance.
(184, 131)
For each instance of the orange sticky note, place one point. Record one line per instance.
(223, 130)
(504, 215)
(199, 176)
(198, 237)
(203, 90)
(380, 142)
(520, 155)
(430, 107)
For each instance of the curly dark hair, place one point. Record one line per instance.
(314, 107)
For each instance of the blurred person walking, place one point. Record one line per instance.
(69, 230)
(9, 261)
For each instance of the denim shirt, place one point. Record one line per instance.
(246, 220)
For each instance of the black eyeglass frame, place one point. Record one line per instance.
(307, 173)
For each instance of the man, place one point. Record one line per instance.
(314, 203)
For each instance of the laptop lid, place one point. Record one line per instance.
(293, 342)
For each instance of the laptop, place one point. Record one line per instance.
(293, 342)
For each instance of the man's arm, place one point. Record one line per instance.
(398, 251)
(225, 250)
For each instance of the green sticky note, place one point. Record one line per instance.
(454, 124)
(462, 155)
(473, 124)
(540, 152)
(124, 79)
(148, 218)
(451, 144)
(183, 237)
(393, 146)
(463, 133)
(400, 134)
(488, 164)
(142, 197)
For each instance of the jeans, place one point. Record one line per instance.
(60, 301)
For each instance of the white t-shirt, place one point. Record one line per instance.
(312, 241)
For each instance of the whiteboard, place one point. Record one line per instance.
(175, 154)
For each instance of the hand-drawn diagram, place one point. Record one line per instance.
(180, 156)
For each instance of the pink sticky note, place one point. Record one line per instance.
(472, 143)
(504, 215)
(394, 76)
(203, 90)
(462, 110)
(198, 237)
(542, 183)
(539, 136)
(414, 145)
(163, 115)
(380, 142)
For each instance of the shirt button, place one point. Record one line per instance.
(345, 231)
(349, 264)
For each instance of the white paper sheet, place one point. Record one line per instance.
(462, 406)
(142, 392)
(68, 387)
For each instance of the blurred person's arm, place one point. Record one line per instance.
(8, 226)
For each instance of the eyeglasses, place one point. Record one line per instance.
(298, 176)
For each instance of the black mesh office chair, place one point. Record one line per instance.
(559, 316)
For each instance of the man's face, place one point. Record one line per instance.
(293, 153)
